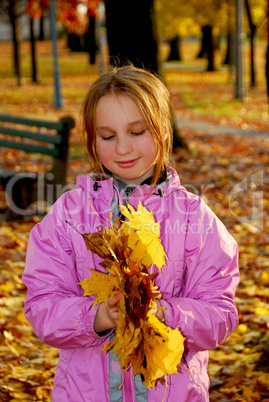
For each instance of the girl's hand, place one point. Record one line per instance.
(157, 308)
(158, 311)
(107, 315)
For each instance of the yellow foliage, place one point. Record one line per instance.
(262, 311)
(265, 278)
(242, 328)
(129, 248)
(148, 233)
(95, 285)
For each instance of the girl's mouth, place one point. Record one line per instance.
(127, 164)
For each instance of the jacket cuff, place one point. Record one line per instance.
(89, 324)
(168, 319)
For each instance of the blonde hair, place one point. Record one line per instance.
(150, 95)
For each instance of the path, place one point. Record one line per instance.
(213, 129)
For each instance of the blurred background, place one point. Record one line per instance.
(213, 57)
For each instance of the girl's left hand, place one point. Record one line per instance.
(157, 310)
(107, 315)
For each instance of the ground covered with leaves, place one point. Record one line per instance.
(229, 172)
(239, 368)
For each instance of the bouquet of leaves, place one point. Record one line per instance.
(129, 249)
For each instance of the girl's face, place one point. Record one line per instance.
(124, 144)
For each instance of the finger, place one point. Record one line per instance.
(113, 301)
(115, 316)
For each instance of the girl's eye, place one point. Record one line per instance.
(108, 138)
(139, 132)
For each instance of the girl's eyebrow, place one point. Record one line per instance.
(131, 124)
(104, 128)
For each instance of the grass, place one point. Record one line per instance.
(212, 94)
(195, 91)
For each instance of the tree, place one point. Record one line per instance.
(10, 13)
(207, 14)
(255, 14)
(174, 22)
(175, 53)
(90, 37)
(228, 15)
(207, 46)
(267, 54)
(181, 18)
(253, 28)
(80, 26)
(35, 11)
(131, 33)
(33, 50)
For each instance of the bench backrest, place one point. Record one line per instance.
(55, 145)
(55, 142)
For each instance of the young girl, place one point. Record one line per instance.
(126, 116)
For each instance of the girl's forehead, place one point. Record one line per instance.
(115, 97)
(118, 109)
(117, 102)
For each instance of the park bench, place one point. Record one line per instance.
(34, 136)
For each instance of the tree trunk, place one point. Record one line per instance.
(74, 42)
(252, 58)
(175, 53)
(90, 40)
(210, 52)
(16, 44)
(252, 28)
(267, 54)
(178, 140)
(207, 47)
(267, 69)
(33, 51)
(131, 33)
(41, 36)
(227, 60)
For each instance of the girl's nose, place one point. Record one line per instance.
(123, 147)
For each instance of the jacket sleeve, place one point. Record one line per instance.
(54, 306)
(205, 312)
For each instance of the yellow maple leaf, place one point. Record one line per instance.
(148, 233)
(101, 285)
(163, 349)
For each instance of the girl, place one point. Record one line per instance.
(126, 116)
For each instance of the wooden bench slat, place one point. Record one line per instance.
(10, 173)
(52, 139)
(7, 118)
(29, 147)
(25, 188)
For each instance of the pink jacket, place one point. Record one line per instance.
(197, 284)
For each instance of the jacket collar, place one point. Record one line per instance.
(103, 188)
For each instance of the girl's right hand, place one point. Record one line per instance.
(107, 315)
